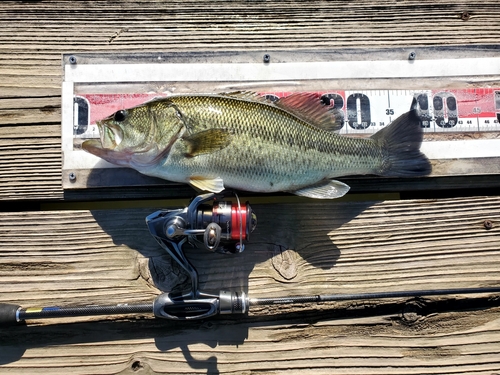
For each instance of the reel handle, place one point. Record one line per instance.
(191, 308)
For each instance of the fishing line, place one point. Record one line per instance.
(241, 246)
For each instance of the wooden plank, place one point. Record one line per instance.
(30, 162)
(469, 344)
(33, 36)
(188, 24)
(107, 256)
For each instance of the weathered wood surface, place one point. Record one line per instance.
(34, 34)
(81, 257)
(107, 256)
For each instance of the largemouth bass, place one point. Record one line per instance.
(242, 141)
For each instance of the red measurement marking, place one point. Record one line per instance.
(104, 105)
(470, 103)
(473, 103)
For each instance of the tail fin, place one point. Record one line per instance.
(401, 142)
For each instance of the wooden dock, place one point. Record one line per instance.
(91, 246)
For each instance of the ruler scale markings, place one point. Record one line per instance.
(365, 112)
(389, 105)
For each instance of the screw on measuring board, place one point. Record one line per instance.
(72, 59)
(267, 58)
(412, 55)
(72, 176)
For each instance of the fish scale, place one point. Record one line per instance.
(285, 130)
(295, 163)
(241, 141)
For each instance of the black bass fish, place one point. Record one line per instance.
(242, 141)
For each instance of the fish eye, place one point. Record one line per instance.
(120, 116)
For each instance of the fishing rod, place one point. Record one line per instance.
(221, 227)
(164, 306)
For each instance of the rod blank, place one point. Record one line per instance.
(367, 296)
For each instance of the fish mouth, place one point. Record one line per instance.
(94, 147)
(111, 135)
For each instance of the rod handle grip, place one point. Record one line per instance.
(8, 314)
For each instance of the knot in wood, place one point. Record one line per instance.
(488, 224)
(465, 16)
(413, 311)
(136, 366)
(284, 262)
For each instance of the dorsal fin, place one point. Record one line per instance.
(309, 108)
(247, 95)
(306, 106)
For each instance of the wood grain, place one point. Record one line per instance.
(34, 34)
(303, 247)
(107, 256)
(377, 345)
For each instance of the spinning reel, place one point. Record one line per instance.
(224, 225)
(221, 227)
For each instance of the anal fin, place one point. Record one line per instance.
(214, 185)
(329, 189)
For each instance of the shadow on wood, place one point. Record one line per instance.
(167, 336)
(285, 233)
(411, 318)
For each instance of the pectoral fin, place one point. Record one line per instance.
(207, 141)
(214, 185)
(329, 189)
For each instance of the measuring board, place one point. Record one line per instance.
(93, 90)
